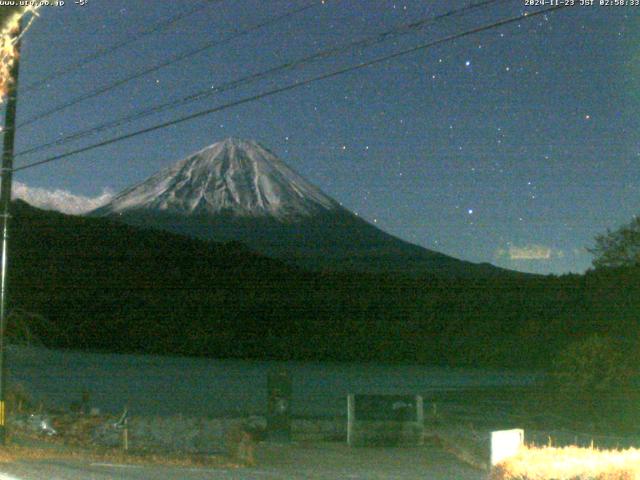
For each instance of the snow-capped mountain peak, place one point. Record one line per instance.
(234, 176)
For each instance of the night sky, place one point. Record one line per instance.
(515, 146)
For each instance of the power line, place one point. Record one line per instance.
(108, 50)
(292, 86)
(175, 59)
(367, 42)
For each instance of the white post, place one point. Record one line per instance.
(351, 418)
(505, 444)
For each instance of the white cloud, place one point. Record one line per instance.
(529, 252)
(60, 200)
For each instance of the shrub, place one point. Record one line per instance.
(591, 390)
(594, 364)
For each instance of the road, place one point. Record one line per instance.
(325, 462)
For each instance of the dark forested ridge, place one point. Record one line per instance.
(99, 285)
(336, 241)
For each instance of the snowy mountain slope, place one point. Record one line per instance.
(237, 190)
(234, 176)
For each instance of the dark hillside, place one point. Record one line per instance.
(106, 286)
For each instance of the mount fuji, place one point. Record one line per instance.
(237, 190)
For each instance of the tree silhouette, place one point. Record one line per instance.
(618, 248)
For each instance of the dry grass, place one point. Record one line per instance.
(56, 450)
(74, 442)
(569, 463)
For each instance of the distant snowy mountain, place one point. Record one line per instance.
(237, 190)
(237, 177)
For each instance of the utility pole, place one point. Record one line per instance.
(6, 172)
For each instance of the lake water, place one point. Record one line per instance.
(156, 385)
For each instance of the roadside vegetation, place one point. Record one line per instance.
(570, 463)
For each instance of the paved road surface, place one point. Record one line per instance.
(324, 462)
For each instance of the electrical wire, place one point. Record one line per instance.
(177, 58)
(292, 86)
(363, 43)
(113, 48)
